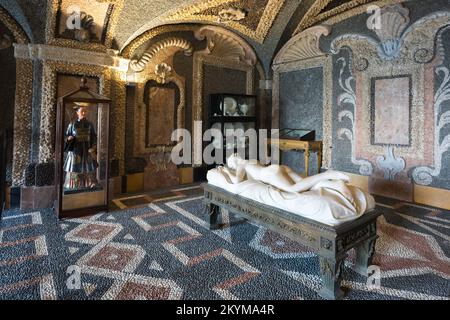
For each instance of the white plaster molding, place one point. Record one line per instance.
(265, 84)
(179, 44)
(225, 44)
(390, 164)
(396, 42)
(304, 45)
(348, 97)
(424, 175)
(70, 55)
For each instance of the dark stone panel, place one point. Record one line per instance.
(30, 175)
(26, 198)
(221, 80)
(301, 106)
(36, 113)
(183, 66)
(44, 197)
(14, 194)
(45, 174)
(200, 174)
(135, 165)
(129, 125)
(114, 168)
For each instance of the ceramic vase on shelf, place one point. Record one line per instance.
(244, 109)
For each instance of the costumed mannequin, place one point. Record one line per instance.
(81, 147)
(279, 176)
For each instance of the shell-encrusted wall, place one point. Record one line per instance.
(22, 119)
(118, 118)
(129, 50)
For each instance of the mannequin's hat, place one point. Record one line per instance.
(81, 104)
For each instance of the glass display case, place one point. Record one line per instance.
(81, 157)
(298, 134)
(233, 112)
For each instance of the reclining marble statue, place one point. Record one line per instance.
(323, 212)
(326, 197)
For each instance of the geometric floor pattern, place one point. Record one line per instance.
(160, 247)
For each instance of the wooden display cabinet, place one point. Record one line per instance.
(82, 153)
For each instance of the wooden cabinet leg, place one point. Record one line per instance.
(319, 161)
(307, 154)
(331, 272)
(364, 256)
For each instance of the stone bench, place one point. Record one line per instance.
(331, 243)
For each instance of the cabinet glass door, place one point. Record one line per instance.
(85, 156)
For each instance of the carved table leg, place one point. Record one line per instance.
(213, 215)
(364, 256)
(319, 160)
(307, 154)
(331, 272)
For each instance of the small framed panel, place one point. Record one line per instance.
(161, 102)
(391, 110)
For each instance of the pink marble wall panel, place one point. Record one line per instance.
(391, 111)
(161, 116)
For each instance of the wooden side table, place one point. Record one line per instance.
(306, 146)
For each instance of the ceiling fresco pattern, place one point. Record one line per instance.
(253, 18)
(124, 25)
(334, 11)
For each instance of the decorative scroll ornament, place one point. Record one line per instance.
(231, 14)
(87, 24)
(163, 71)
(394, 20)
(226, 45)
(424, 175)
(349, 97)
(396, 40)
(390, 164)
(304, 45)
(161, 47)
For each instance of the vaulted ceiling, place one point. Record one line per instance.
(117, 23)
